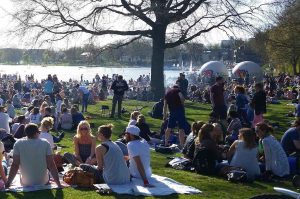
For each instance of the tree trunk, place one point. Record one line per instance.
(157, 61)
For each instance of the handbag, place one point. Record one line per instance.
(79, 178)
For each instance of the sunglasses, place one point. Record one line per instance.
(84, 128)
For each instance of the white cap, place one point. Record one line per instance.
(1, 148)
(133, 130)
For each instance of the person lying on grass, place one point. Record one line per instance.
(34, 164)
(111, 166)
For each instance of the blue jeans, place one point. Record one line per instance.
(85, 100)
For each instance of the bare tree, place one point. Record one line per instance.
(169, 23)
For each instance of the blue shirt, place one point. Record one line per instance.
(48, 87)
(287, 140)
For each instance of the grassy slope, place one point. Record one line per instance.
(212, 187)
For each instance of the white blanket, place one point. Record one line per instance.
(17, 187)
(162, 186)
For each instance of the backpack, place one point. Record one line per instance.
(203, 162)
(79, 178)
(180, 164)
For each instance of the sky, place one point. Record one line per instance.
(9, 40)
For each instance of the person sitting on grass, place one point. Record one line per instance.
(46, 126)
(85, 144)
(145, 131)
(34, 157)
(233, 128)
(111, 166)
(35, 116)
(244, 152)
(196, 126)
(275, 159)
(3, 167)
(290, 140)
(66, 120)
(77, 117)
(138, 155)
(133, 118)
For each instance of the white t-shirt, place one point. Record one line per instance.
(142, 149)
(33, 164)
(132, 122)
(47, 136)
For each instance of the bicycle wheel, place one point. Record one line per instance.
(271, 196)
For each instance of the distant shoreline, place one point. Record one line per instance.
(100, 66)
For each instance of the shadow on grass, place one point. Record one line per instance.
(36, 195)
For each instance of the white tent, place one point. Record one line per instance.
(210, 70)
(250, 68)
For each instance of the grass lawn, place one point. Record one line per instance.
(212, 187)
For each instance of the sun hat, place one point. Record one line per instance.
(133, 130)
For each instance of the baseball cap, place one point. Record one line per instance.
(1, 148)
(133, 130)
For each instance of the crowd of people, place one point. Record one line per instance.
(236, 131)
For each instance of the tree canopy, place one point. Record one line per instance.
(169, 23)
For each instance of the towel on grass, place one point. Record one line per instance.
(17, 187)
(163, 186)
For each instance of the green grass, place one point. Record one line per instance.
(212, 187)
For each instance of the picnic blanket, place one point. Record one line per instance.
(163, 186)
(17, 187)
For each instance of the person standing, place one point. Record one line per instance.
(119, 87)
(217, 98)
(174, 102)
(259, 102)
(183, 84)
(34, 163)
(84, 93)
(48, 87)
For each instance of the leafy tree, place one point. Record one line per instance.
(168, 23)
(283, 44)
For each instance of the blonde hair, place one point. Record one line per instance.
(134, 115)
(83, 123)
(47, 123)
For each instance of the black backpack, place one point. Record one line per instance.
(204, 162)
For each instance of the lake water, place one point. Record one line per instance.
(66, 72)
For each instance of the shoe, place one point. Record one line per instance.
(62, 135)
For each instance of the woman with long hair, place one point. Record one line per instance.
(275, 159)
(111, 166)
(244, 153)
(84, 145)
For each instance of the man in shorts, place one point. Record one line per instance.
(174, 102)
